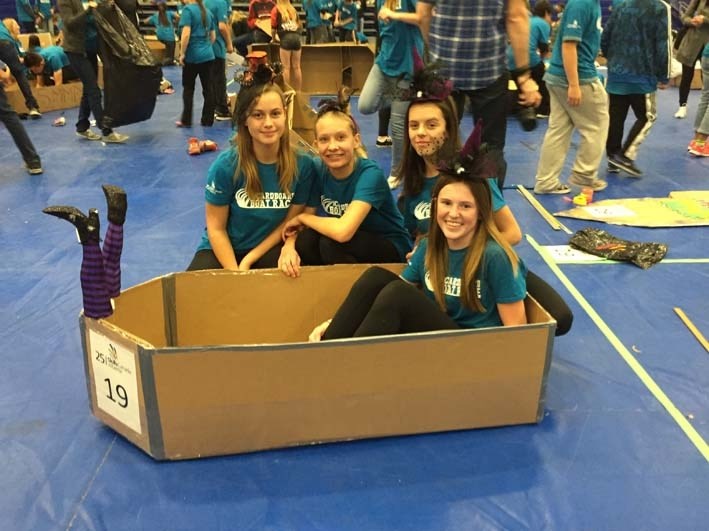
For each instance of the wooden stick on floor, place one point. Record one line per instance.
(555, 223)
(692, 328)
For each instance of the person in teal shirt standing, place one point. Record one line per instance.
(25, 16)
(164, 22)
(346, 20)
(222, 45)
(578, 101)
(197, 34)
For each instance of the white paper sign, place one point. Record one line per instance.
(565, 254)
(115, 380)
(610, 211)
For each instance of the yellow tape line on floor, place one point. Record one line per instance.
(638, 369)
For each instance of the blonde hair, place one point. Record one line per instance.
(361, 151)
(437, 250)
(287, 165)
(287, 11)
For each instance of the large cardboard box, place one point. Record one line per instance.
(213, 362)
(328, 66)
(52, 98)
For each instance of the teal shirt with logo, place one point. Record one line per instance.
(417, 208)
(199, 49)
(366, 183)
(398, 39)
(250, 221)
(581, 23)
(54, 58)
(495, 284)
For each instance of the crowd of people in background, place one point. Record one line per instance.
(269, 205)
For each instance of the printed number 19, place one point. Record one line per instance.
(122, 399)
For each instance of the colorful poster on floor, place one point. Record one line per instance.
(680, 209)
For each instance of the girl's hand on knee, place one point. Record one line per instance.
(318, 331)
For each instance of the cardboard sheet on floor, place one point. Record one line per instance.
(680, 209)
(215, 362)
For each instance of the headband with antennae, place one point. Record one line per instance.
(327, 105)
(472, 161)
(427, 83)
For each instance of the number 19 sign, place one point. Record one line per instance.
(115, 380)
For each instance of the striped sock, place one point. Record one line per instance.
(112, 248)
(97, 303)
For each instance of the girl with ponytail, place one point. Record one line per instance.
(198, 32)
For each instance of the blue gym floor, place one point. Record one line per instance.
(622, 445)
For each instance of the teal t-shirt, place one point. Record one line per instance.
(199, 49)
(366, 183)
(54, 58)
(417, 208)
(45, 7)
(5, 34)
(251, 221)
(495, 283)
(539, 33)
(164, 33)
(218, 9)
(329, 6)
(348, 11)
(398, 39)
(581, 22)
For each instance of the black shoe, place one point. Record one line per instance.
(625, 164)
(222, 117)
(612, 169)
(87, 226)
(117, 203)
(384, 141)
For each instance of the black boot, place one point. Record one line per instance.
(117, 203)
(87, 226)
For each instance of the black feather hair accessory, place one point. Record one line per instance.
(472, 161)
(427, 83)
(251, 84)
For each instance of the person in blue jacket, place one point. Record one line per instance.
(351, 216)
(164, 22)
(254, 188)
(464, 274)
(197, 34)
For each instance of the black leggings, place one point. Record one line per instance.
(206, 259)
(381, 303)
(686, 81)
(551, 301)
(363, 248)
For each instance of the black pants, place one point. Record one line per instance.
(169, 53)
(618, 112)
(489, 104)
(8, 55)
(221, 106)
(381, 303)
(190, 71)
(384, 119)
(86, 68)
(68, 74)
(17, 131)
(551, 301)
(206, 259)
(363, 248)
(538, 76)
(686, 81)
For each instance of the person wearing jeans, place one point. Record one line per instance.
(17, 131)
(699, 146)
(10, 57)
(81, 46)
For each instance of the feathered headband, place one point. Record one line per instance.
(340, 104)
(427, 84)
(472, 161)
(251, 84)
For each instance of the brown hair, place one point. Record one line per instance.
(286, 167)
(437, 251)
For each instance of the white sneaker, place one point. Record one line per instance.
(394, 181)
(681, 112)
(114, 138)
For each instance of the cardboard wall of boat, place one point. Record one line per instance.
(210, 363)
(326, 67)
(54, 98)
